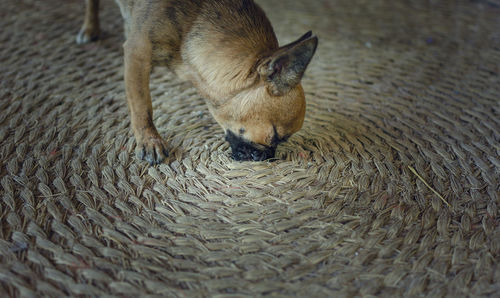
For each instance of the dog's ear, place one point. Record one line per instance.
(283, 70)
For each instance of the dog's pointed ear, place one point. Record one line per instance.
(284, 69)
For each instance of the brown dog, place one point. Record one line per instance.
(228, 50)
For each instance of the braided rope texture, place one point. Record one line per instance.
(402, 108)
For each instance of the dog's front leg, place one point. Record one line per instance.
(150, 145)
(90, 29)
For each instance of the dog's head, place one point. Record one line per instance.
(267, 113)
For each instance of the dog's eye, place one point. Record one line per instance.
(278, 140)
(242, 131)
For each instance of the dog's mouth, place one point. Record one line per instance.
(243, 150)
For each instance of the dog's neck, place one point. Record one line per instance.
(220, 56)
(221, 70)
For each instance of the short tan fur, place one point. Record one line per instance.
(229, 51)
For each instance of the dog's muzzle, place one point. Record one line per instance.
(243, 150)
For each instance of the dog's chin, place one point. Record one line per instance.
(243, 150)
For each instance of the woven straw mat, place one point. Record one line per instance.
(391, 188)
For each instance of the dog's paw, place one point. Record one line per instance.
(87, 35)
(152, 150)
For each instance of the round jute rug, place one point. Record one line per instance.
(390, 189)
